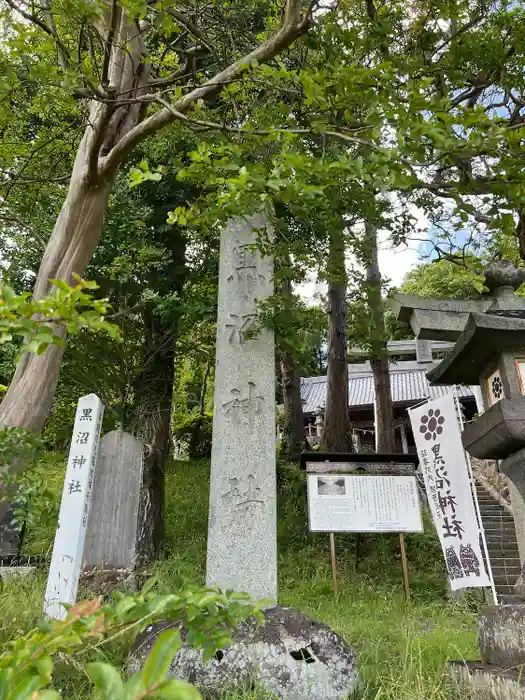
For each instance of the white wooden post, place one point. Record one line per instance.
(66, 561)
(404, 441)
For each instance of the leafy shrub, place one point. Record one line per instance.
(27, 664)
(59, 426)
(195, 432)
(27, 490)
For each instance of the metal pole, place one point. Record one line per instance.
(334, 564)
(475, 497)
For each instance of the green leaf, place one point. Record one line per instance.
(61, 285)
(106, 679)
(5, 677)
(176, 690)
(49, 695)
(25, 688)
(149, 585)
(44, 666)
(134, 686)
(8, 293)
(158, 663)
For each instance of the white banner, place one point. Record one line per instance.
(438, 440)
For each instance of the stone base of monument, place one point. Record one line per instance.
(102, 582)
(291, 657)
(486, 682)
(14, 571)
(500, 675)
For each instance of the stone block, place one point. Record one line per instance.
(502, 635)
(481, 682)
(498, 432)
(291, 657)
(111, 536)
(14, 571)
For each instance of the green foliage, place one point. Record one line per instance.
(445, 280)
(27, 663)
(36, 321)
(34, 502)
(59, 425)
(194, 432)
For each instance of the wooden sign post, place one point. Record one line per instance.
(406, 582)
(383, 499)
(334, 564)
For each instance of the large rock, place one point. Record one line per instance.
(502, 636)
(291, 657)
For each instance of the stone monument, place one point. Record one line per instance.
(111, 537)
(242, 539)
(290, 656)
(490, 351)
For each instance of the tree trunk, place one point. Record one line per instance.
(72, 243)
(384, 413)
(151, 424)
(292, 440)
(336, 431)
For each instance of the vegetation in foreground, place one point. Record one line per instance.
(402, 648)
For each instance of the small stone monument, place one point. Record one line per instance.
(68, 548)
(10, 536)
(242, 538)
(491, 352)
(111, 537)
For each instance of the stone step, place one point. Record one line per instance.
(504, 580)
(501, 539)
(485, 682)
(504, 558)
(492, 510)
(506, 589)
(497, 512)
(502, 635)
(510, 564)
(498, 564)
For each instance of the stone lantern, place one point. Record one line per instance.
(490, 351)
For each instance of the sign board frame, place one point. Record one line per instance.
(412, 477)
(376, 464)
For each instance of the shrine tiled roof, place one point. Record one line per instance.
(408, 386)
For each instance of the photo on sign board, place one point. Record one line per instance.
(331, 486)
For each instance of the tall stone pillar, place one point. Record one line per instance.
(242, 539)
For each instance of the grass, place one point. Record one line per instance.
(402, 648)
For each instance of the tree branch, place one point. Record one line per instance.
(108, 46)
(289, 31)
(193, 29)
(63, 53)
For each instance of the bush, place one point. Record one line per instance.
(195, 432)
(27, 664)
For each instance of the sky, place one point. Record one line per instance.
(394, 263)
